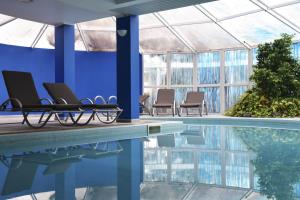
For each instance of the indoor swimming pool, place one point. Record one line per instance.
(216, 162)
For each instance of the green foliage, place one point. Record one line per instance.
(252, 104)
(276, 77)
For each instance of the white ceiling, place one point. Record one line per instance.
(57, 12)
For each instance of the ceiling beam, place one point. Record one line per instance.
(39, 35)
(8, 21)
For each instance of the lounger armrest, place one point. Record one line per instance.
(111, 98)
(9, 101)
(86, 99)
(101, 98)
(46, 99)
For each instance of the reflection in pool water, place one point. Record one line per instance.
(203, 162)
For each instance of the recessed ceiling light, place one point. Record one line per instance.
(25, 1)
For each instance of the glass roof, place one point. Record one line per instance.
(210, 26)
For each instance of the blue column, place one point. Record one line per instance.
(65, 185)
(129, 170)
(128, 67)
(65, 55)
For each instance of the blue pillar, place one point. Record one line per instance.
(129, 170)
(65, 55)
(65, 185)
(128, 67)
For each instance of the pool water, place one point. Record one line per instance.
(203, 162)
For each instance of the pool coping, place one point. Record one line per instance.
(61, 138)
(280, 123)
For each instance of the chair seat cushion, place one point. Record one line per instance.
(190, 105)
(162, 105)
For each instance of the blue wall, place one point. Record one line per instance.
(95, 71)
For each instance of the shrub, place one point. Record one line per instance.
(276, 77)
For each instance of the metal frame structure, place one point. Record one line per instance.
(261, 7)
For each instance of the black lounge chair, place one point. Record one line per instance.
(193, 100)
(23, 97)
(62, 94)
(165, 100)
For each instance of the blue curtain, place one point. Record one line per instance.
(182, 69)
(209, 68)
(236, 66)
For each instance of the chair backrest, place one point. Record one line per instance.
(165, 96)
(59, 91)
(194, 97)
(144, 98)
(20, 85)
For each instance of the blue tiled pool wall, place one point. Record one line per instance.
(224, 159)
(208, 77)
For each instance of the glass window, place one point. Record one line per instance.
(212, 98)
(296, 51)
(20, 32)
(210, 168)
(47, 40)
(153, 93)
(182, 69)
(236, 66)
(237, 170)
(155, 70)
(104, 24)
(107, 42)
(180, 94)
(232, 95)
(209, 68)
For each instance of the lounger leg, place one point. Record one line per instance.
(179, 112)
(86, 122)
(200, 111)
(118, 112)
(61, 122)
(25, 115)
(41, 118)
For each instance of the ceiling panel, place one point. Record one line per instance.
(207, 36)
(160, 40)
(257, 28)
